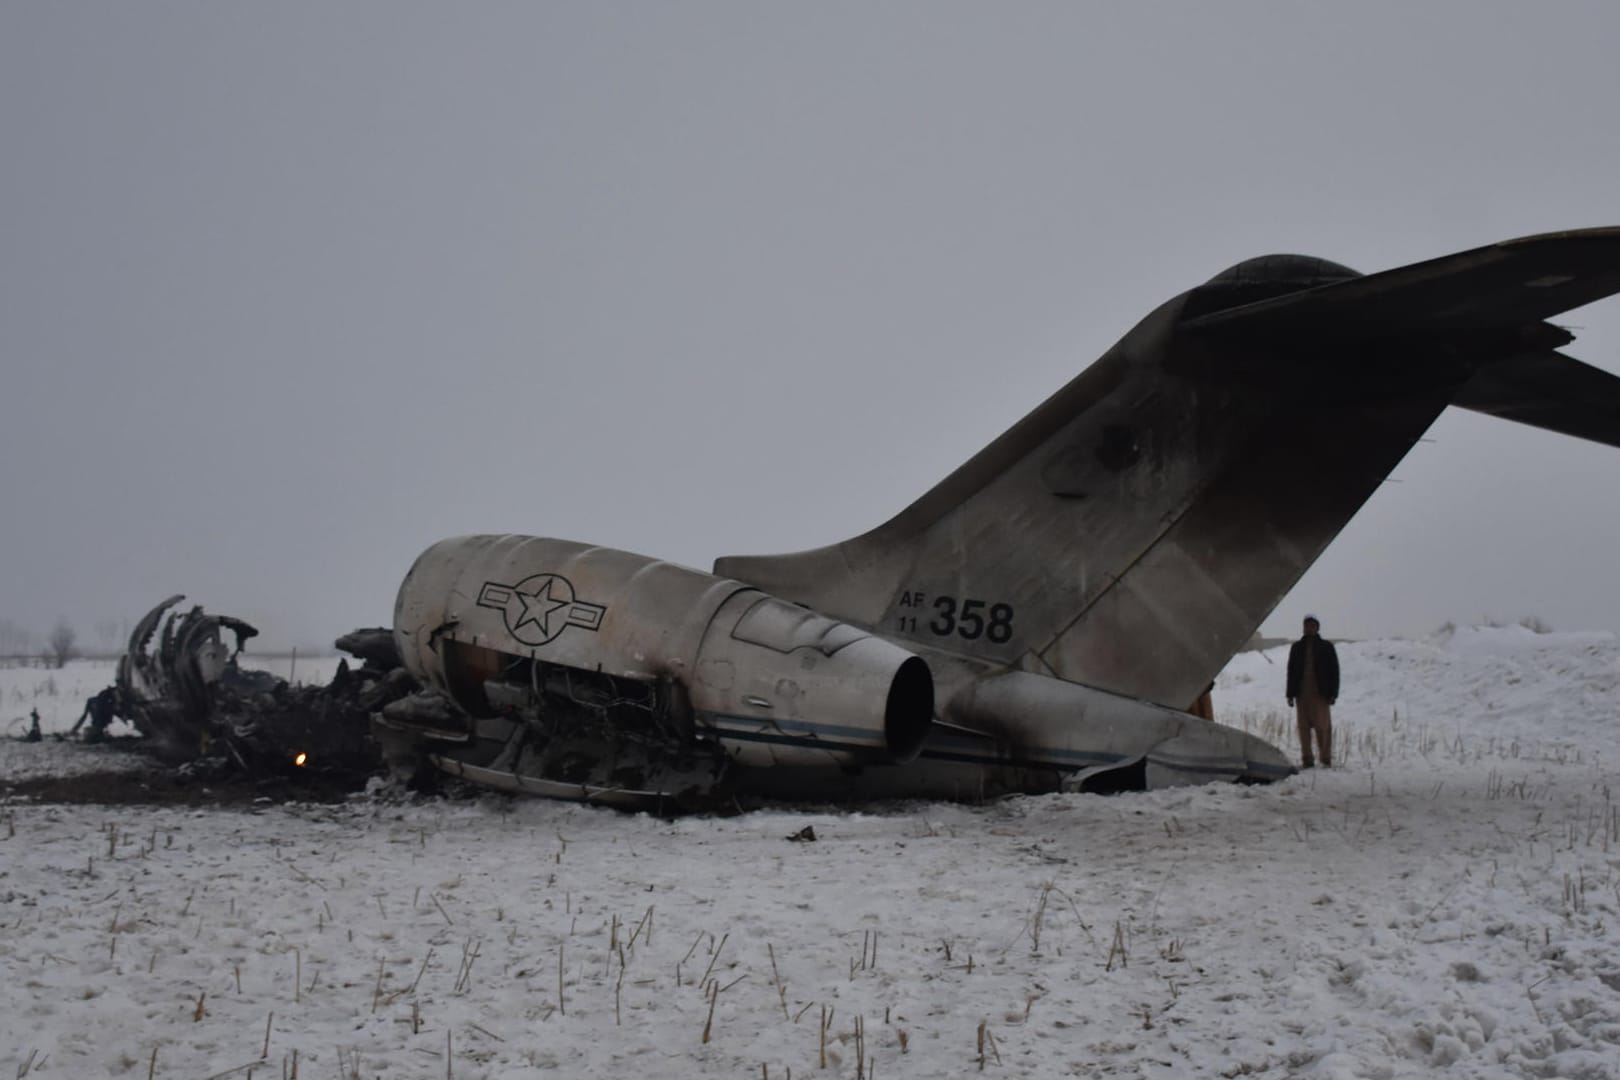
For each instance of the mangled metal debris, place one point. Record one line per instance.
(184, 689)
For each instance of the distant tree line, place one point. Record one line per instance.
(57, 648)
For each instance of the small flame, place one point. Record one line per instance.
(300, 758)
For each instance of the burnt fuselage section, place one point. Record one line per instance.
(561, 668)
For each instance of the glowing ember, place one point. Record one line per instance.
(301, 758)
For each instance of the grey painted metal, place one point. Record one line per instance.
(772, 682)
(1038, 720)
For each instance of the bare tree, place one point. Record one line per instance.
(61, 644)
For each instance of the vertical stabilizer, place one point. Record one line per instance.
(1133, 531)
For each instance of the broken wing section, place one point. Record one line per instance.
(1103, 741)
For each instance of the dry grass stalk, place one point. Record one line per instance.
(561, 1007)
(469, 954)
(646, 921)
(695, 942)
(868, 952)
(706, 971)
(411, 989)
(201, 1010)
(376, 992)
(618, 990)
(714, 996)
(781, 991)
(1117, 949)
(1040, 916)
(824, 1022)
(987, 1041)
(265, 1054)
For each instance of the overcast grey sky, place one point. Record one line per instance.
(289, 291)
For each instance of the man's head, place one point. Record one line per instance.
(1312, 626)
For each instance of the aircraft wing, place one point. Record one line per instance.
(1499, 286)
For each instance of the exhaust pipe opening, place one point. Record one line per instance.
(908, 715)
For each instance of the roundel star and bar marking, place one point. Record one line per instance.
(540, 607)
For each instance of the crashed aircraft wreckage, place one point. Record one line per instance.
(1038, 620)
(184, 691)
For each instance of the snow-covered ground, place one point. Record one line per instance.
(1441, 902)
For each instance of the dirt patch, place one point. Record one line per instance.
(165, 787)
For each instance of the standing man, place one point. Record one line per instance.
(1313, 687)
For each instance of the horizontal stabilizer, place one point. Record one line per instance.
(1510, 284)
(1548, 390)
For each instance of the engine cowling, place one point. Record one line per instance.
(769, 681)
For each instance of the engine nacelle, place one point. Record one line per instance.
(769, 681)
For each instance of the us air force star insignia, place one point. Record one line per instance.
(540, 607)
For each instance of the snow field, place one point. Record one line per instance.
(1442, 903)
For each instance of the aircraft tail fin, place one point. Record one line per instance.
(1133, 531)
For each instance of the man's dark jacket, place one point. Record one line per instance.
(1327, 667)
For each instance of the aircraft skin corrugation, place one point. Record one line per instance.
(1039, 619)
